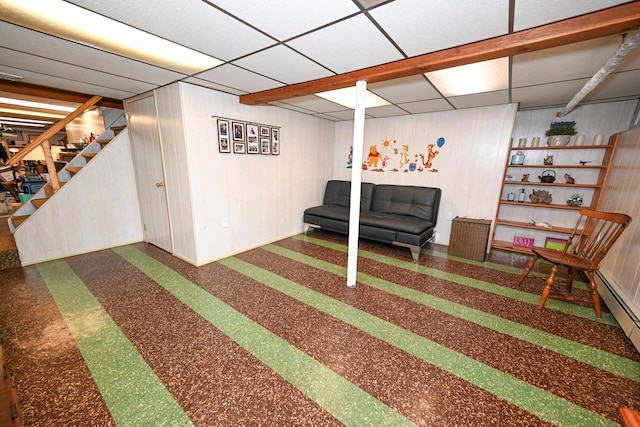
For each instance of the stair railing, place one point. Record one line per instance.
(43, 140)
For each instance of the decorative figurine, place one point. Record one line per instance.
(525, 177)
(575, 200)
(569, 179)
(548, 160)
(540, 196)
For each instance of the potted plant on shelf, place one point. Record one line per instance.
(560, 133)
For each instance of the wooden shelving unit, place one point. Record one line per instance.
(590, 162)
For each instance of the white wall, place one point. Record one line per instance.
(261, 198)
(177, 171)
(469, 165)
(97, 209)
(620, 266)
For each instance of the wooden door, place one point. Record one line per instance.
(147, 157)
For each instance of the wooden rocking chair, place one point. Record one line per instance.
(594, 234)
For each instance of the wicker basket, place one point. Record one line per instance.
(469, 238)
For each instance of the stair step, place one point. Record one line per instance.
(73, 170)
(103, 142)
(89, 156)
(117, 129)
(17, 220)
(37, 202)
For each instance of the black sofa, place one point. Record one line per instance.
(402, 215)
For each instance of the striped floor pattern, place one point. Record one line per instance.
(135, 337)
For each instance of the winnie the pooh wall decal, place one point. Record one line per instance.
(374, 157)
(381, 157)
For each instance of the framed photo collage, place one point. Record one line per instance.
(238, 137)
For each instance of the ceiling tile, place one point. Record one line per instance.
(532, 13)
(348, 45)
(211, 85)
(315, 103)
(291, 107)
(192, 23)
(617, 85)
(65, 84)
(370, 3)
(547, 95)
(327, 117)
(407, 89)
(480, 99)
(52, 68)
(419, 27)
(238, 78)
(428, 106)
(284, 19)
(34, 43)
(578, 60)
(386, 111)
(342, 115)
(283, 64)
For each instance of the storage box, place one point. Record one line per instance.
(469, 238)
(555, 243)
(523, 242)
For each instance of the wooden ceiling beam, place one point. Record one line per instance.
(57, 94)
(615, 20)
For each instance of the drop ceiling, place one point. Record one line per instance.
(272, 44)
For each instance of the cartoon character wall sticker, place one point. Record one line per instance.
(394, 153)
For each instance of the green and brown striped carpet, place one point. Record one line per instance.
(135, 337)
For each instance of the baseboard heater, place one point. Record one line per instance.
(628, 320)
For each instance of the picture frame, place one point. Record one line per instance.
(265, 145)
(252, 132)
(265, 132)
(239, 147)
(223, 127)
(224, 145)
(253, 146)
(238, 129)
(275, 141)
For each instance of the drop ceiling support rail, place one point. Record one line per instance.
(615, 20)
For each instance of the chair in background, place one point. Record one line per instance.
(594, 234)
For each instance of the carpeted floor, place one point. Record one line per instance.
(272, 336)
(9, 256)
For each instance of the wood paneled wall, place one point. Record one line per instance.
(469, 164)
(259, 198)
(621, 267)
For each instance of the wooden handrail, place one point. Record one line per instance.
(55, 128)
(46, 146)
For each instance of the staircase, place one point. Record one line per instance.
(64, 175)
(97, 207)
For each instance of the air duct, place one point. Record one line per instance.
(630, 42)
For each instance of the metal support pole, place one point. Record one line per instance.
(356, 181)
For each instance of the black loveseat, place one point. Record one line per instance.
(402, 215)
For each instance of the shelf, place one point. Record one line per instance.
(519, 224)
(565, 147)
(591, 177)
(542, 205)
(508, 246)
(547, 184)
(558, 166)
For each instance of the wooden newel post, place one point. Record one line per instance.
(51, 166)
